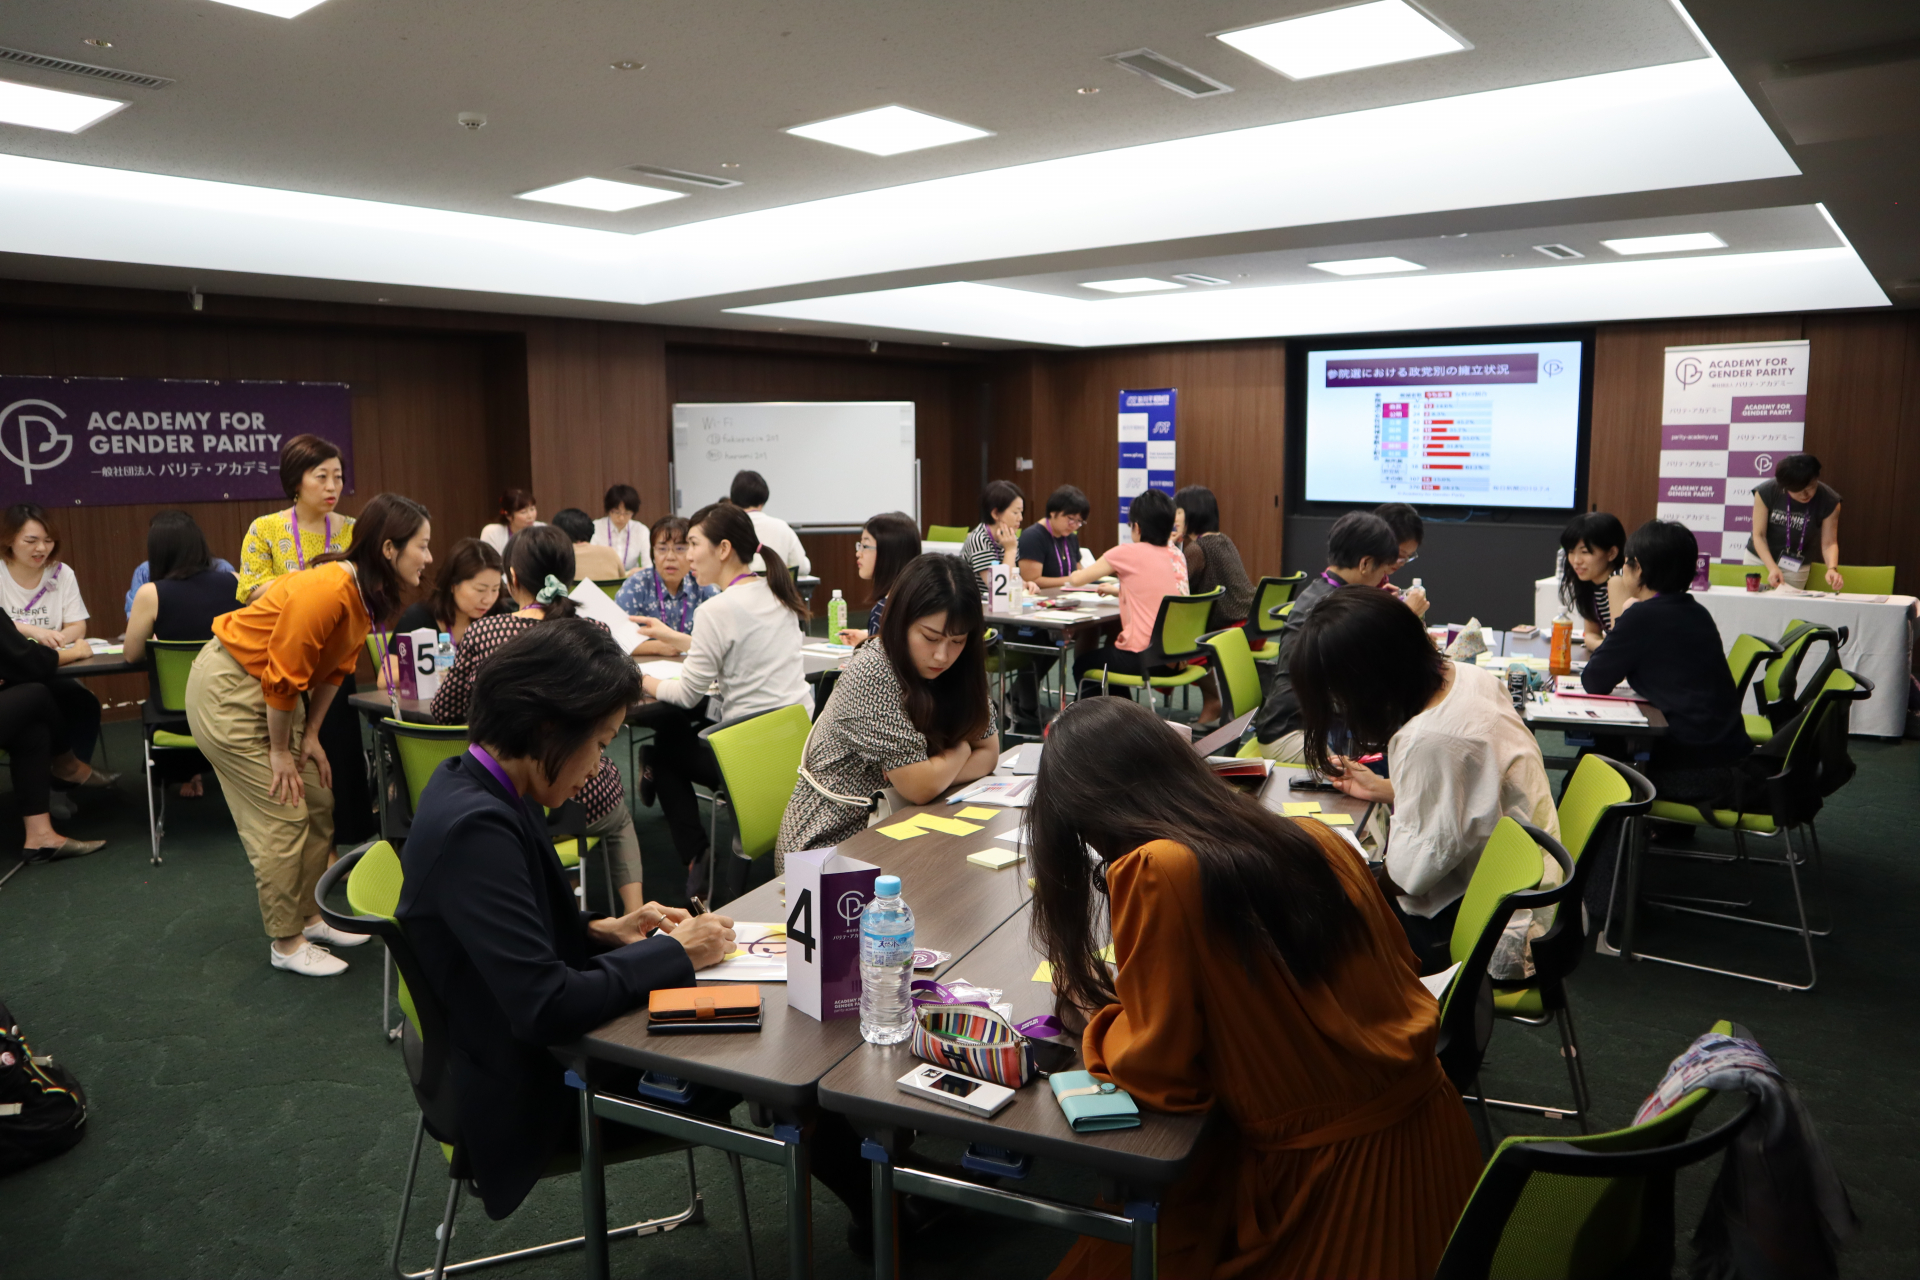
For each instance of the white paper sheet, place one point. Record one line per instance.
(1437, 982)
(759, 955)
(662, 669)
(596, 604)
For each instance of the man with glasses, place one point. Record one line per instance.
(1409, 530)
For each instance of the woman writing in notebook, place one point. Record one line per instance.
(1258, 971)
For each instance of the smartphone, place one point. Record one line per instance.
(952, 1089)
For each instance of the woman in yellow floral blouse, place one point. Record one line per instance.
(313, 477)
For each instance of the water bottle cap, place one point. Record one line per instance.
(887, 887)
(445, 636)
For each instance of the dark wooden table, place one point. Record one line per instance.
(101, 664)
(1064, 634)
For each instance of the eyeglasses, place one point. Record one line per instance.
(670, 549)
(866, 548)
(1404, 561)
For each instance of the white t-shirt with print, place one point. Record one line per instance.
(58, 605)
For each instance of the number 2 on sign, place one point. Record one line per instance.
(802, 931)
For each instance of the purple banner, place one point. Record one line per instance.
(1738, 519)
(1692, 490)
(1694, 437)
(67, 442)
(1769, 408)
(1741, 465)
(1420, 371)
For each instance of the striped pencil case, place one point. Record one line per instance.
(972, 1040)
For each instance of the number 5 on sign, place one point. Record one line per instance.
(828, 891)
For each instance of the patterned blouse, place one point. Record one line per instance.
(269, 552)
(862, 735)
(604, 792)
(982, 551)
(644, 595)
(1220, 566)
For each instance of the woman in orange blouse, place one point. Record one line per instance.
(256, 699)
(1259, 971)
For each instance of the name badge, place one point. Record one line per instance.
(1790, 564)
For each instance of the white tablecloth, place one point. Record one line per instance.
(1879, 640)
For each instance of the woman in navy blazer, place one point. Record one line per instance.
(488, 911)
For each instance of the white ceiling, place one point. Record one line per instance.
(320, 156)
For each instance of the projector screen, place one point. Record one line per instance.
(1493, 425)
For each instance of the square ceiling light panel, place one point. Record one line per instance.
(1366, 266)
(38, 108)
(1666, 244)
(598, 193)
(278, 8)
(1133, 284)
(889, 131)
(1361, 35)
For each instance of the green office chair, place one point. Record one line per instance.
(1239, 678)
(1811, 762)
(1782, 693)
(374, 879)
(1732, 575)
(1744, 661)
(1503, 882)
(759, 758)
(1597, 811)
(1270, 601)
(170, 751)
(1593, 1206)
(1177, 629)
(1863, 579)
(947, 532)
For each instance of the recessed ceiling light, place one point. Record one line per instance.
(98, 43)
(55, 109)
(1194, 277)
(628, 65)
(1133, 284)
(729, 164)
(1088, 89)
(598, 193)
(1361, 35)
(888, 131)
(278, 8)
(1366, 266)
(1666, 244)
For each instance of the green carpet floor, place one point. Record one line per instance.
(248, 1123)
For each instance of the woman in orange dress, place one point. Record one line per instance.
(1259, 971)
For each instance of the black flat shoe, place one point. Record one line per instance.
(64, 850)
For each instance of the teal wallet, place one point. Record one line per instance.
(1091, 1105)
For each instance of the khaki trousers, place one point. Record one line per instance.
(288, 844)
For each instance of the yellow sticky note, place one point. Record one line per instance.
(1106, 953)
(1334, 819)
(1301, 809)
(902, 831)
(994, 859)
(977, 813)
(1044, 973)
(952, 826)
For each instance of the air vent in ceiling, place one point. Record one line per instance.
(1164, 71)
(1558, 252)
(22, 58)
(685, 178)
(1194, 277)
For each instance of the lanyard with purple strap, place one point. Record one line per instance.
(326, 530)
(45, 587)
(492, 766)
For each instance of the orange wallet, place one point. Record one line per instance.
(704, 1008)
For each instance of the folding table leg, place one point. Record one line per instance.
(593, 1188)
(799, 1170)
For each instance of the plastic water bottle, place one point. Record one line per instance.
(836, 615)
(886, 965)
(443, 654)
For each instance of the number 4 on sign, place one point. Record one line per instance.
(802, 931)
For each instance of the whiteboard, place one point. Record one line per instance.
(826, 462)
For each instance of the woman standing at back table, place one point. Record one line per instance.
(1792, 512)
(245, 706)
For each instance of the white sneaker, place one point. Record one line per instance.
(324, 932)
(310, 961)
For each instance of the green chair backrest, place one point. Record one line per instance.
(421, 748)
(377, 648)
(1793, 645)
(1732, 575)
(1272, 594)
(1509, 863)
(1744, 659)
(1837, 689)
(1591, 791)
(760, 761)
(373, 889)
(610, 585)
(1181, 622)
(947, 533)
(172, 662)
(1866, 579)
(1239, 676)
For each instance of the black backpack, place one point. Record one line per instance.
(43, 1110)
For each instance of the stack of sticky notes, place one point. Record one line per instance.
(1311, 809)
(918, 824)
(994, 859)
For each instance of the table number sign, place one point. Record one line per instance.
(826, 892)
(415, 674)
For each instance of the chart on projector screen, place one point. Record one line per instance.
(1494, 426)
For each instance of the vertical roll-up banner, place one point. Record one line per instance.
(1729, 413)
(1146, 446)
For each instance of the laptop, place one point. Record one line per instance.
(1225, 736)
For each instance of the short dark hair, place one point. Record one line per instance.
(468, 559)
(542, 694)
(300, 455)
(388, 518)
(1068, 500)
(176, 549)
(1666, 553)
(1153, 512)
(1600, 531)
(1362, 659)
(1202, 508)
(575, 523)
(542, 552)
(1357, 535)
(952, 707)
(512, 500)
(998, 496)
(749, 490)
(622, 495)
(1404, 521)
(15, 520)
(1797, 471)
(896, 540)
(673, 528)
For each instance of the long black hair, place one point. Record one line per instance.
(896, 541)
(176, 549)
(1361, 658)
(1601, 531)
(1113, 779)
(952, 707)
(540, 552)
(389, 518)
(544, 692)
(730, 523)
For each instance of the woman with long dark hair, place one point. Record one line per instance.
(185, 591)
(1258, 971)
(886, 543)
(1590, 573)
(1459, 758)
(910, 710)
(745, 648)
(256, 699)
